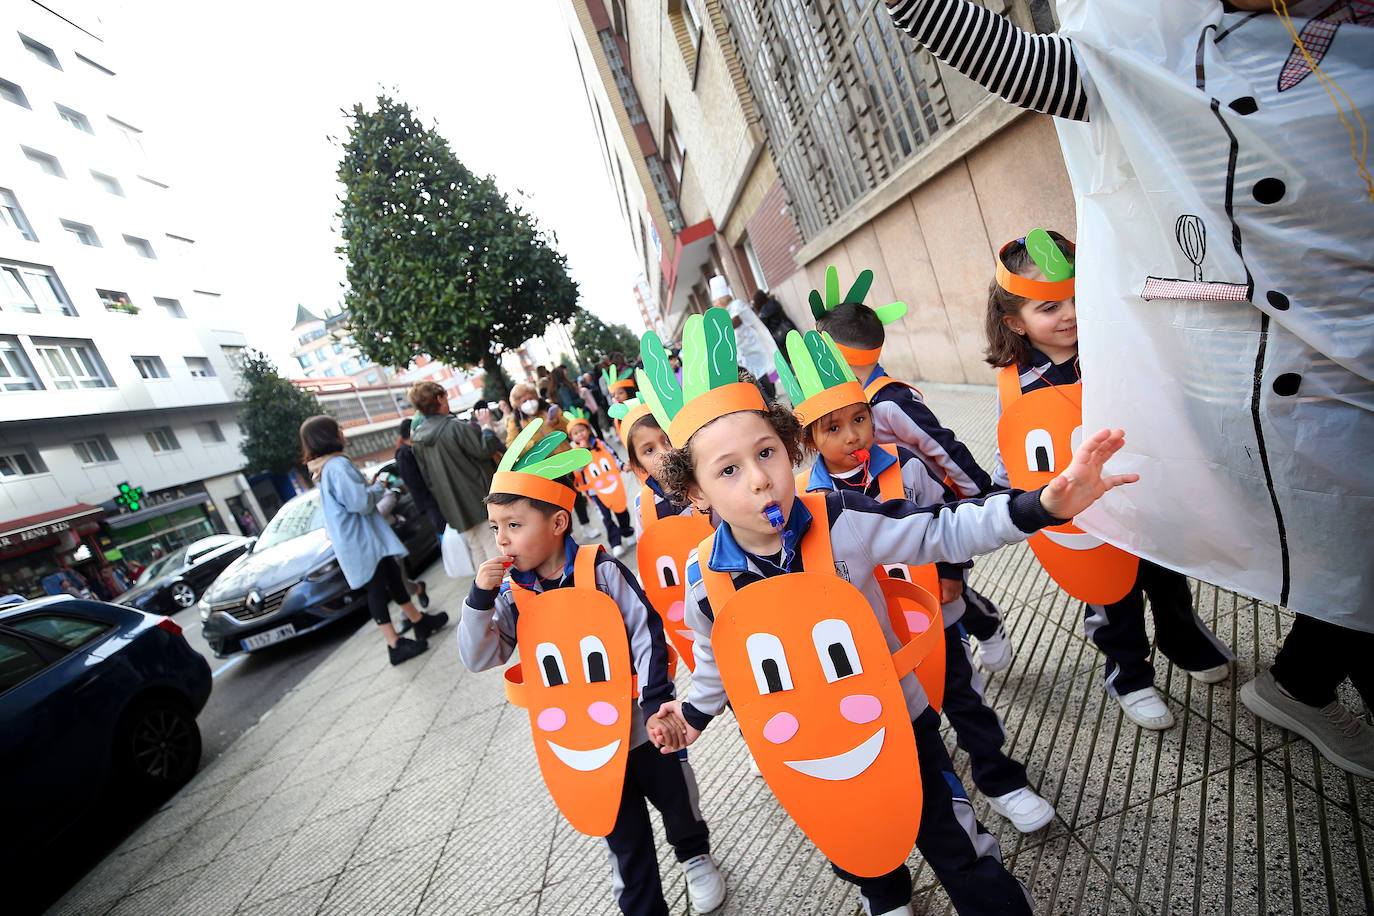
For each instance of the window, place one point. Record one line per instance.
(330, 373)
(200, 367)
(20, 462)
(83, 233)
(676, 156)
(68, 632)
(209, 432)
(47, 163)
(693, 21)
(131, 136)
(96, 450)
(117, 301)
(338, 347)
(371, 378)
(11, 92)
(72, 363)
(140, 246)
(18, 662)
(16, 372)
(90, 63)
(304, 360)
(320, 355)
(347, 367)
(12, 216)
(161, 439)
(686, 23)
(150, 366)
(172, 307)
(40, 51)
(154, 182)
(108, 182)
(32, 289)
(75, 119)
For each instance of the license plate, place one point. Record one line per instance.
(271, 636)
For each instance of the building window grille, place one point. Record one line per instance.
(161, 439)
(629, 97)
(659, 176)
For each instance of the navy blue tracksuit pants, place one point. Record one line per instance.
(977, 729)
(1119, 630)
(667, 781)
(618, 525)
(981, 618)
(964, 856)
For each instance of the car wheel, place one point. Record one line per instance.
(183, 595)
(157, 748)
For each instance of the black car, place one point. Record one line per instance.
(93, 696)
(289, 583)
(174, 582)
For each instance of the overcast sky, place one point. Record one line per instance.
(242, 99)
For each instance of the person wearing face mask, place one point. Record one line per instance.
(529, 406)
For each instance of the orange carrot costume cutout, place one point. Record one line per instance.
(818, 698)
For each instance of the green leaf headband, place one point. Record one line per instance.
(886, 313)
(819, 380)
(625, 379)
(577, 415)
(534, 474)
(710, 385)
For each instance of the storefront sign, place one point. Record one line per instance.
(33, 534)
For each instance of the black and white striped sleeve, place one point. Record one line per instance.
(1038, 72)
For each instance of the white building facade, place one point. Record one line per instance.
(117, 359)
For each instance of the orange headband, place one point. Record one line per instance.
(818, 405)
(859, 357)
(532, 486)
(633, 416)
(623, 383)
(704, 408)
(1041, 290)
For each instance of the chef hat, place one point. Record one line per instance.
(720, 288)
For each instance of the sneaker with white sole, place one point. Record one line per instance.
(705, 886)
(589, 533)
(620, 549)
(994, 653)
(903, 910)
(1146, 708)
(1213, 675)
(1026, 809)
(1333, 730)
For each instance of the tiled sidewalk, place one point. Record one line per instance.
(379, 790)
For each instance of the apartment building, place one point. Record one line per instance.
(118, 432)
(871, 154)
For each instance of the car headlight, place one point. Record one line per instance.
(319, 574)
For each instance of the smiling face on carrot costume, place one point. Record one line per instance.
(1037, 435)
(820, 705)
(578, 688)
(603, 478)
(662, 552)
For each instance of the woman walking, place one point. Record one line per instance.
(364, 545)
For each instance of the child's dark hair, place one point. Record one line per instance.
(641, 425)
(320, 436)
(1005, 346)
(545, 509)
(809, 437)
(853, 325)
(677, 472)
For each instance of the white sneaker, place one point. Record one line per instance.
(591, 533)
(903, 910)
(620, 549)
(754, 765)
(1146, 708)
(705, 886)
(1026, 810)
(994, 653)
(1333, 730)
(1214, 675)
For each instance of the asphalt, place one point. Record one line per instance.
(372, 789)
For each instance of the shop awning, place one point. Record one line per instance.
(691, 252)
(32, 527)
(125, 519)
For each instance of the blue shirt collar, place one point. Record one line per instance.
(655, 486)
(729, 557)
(877, 373)
(530, 578)
(879, 460)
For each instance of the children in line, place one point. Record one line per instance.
(901, 416)
(847, 460)
(600, 482)
(537, 549)
(735, 455)
(1039, 338)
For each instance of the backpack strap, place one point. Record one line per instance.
(720, 588)
(1008, 385)
(803, 479)
(890, 480)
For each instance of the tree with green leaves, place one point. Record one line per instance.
(497, 387)
(272, 413)
(439, 261)
(595, 339)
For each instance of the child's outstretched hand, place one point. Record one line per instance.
(1082, 483)
(669, 730)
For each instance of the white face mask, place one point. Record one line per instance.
(529, 407)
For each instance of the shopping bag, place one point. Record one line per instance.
(457, 562)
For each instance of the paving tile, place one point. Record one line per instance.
(489, 860)
(392, 884)
(162, 897)
(222, 885)
(251, 788)
(421, 813)
(297, 903)
(198, 846)
(314, 852)
(287, 810)
(109, 882)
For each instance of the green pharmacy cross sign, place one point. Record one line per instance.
(130, 498)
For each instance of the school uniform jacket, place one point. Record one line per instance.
(900, 415)
(486, 632)
(863, 534)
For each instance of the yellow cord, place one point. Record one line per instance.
(1359, 146)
